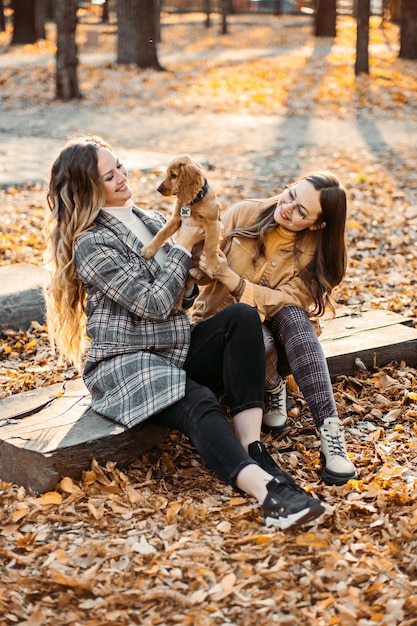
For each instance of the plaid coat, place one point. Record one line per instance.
(138, 347)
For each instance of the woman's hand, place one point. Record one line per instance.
(221, 269)
(222, 273)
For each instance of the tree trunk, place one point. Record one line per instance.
(2, 20)
(408, 36)
(136, 38)
(127, 19)
(157, 9)
(147, 57)
(40, 18)
(23, 22)
(226, 10)
(105, 16)
(207, 11)
(277, 7)
(50, 10)
(66, 51)
(224, 17)
(325, 21)
(395, 10)
(362, 37)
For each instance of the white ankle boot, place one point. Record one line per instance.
(274, 420)
(337, 468)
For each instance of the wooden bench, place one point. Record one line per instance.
(375, 337)
(45, 435)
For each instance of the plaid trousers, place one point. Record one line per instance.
(290, 340)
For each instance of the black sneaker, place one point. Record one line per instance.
(259, 453)
(287, 507)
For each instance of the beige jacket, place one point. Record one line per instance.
(278, 282)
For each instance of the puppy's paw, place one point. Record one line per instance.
(199, 276)
(196, 273)
(148, 251)
(212, 269)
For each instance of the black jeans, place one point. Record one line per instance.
(294, 333)
(227, 357)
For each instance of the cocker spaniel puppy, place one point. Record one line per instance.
(195, 200)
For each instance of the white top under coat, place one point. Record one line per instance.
(126, 215)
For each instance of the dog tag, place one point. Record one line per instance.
(185, 211)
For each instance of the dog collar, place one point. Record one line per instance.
(186, 209)
(201, 193)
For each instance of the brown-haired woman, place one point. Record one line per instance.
(283, 256)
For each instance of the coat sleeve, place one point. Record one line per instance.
(268, 301)
(109, 269)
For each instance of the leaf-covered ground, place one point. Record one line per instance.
(163, 541)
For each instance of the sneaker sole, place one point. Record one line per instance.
(274, 430)
(336, 480)
(296, 519)
(331, 478)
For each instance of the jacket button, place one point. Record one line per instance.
(273, 263)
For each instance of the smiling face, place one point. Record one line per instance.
(299, 207)
(114, 176)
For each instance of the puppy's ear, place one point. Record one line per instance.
(173, 173)
(192, 179)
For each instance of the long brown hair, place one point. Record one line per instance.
(75, 196)
(328, 265)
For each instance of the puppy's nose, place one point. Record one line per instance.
(160, 188)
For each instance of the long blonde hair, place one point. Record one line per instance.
(75, 196)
